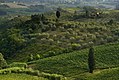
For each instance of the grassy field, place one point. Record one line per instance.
(75, 63)
(20, 77)
(106, 74)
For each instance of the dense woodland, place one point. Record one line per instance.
(48, 36)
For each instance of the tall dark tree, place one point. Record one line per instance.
(58, 14)
(91, 60)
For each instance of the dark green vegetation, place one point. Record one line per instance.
(75, 64)
(42, 34)
(20, 76)
(58, 14)
(91, 60)
(61, 46)
(2, 62)
(29, 71)
(107, 74)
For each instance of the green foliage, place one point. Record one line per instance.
(38, 18)
(20, 76)
(40, 33)
(86, 11)
(57, 14)
(53, 76)
(11, 40)
(3, 62)
(32, 72)
(20, 70)
(30, 57)
(18, 64)
(111, 22)
(37, 57)
(11, 70)
(106, 74)
(76, 46)
(75, 63)
(91, 60)
(34, 57)
(91, 12)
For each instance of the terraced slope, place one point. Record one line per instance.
(106, 74)
(20, 77)
(75, 63)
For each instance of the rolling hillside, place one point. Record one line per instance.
(75, 64)
(29, 35)
(57, 48)
(15, 5)
(106, 74)
(20, 77)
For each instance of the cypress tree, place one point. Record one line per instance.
(58, 14)
(91, 60)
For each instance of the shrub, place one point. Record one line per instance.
(32, 72)
(109, 39)
(5, 72)
(18, 64)
(51, 53)
(67, 50)
(76, 46)
(11, 70)
(30, 58)
(37, 56)
(111, 22)
(20, 70)
(43, 35)
(52, 76)
(84, 45)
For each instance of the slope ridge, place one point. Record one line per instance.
(75, 63)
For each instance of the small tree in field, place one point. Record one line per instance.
(91, 60)
(3, 62)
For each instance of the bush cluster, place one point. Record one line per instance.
(53, 76)
(18, 64)
(32, 72)
(32, 57)
(3, 62)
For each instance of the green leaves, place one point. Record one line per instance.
(91, 60)
(3, 62)
(11, 41)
